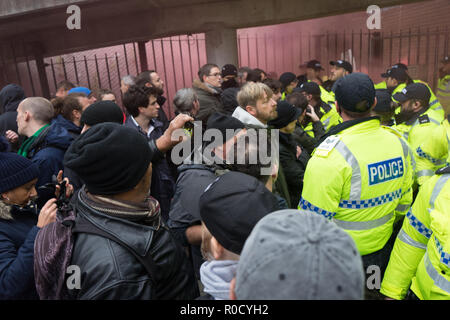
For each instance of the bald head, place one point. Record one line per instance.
(40, 109)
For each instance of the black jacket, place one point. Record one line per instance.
(294, 168)
(10, 97)
(110, 271)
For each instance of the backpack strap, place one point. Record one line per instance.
(83, 225)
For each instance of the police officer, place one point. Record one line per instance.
(354, 179)
(313, 70)
(325, 111)
(397, 79)
(433, 152)
(382, 84)
(420, 259)
(339, 69)
(416, 120)
(443, 89)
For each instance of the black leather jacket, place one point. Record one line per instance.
(110, 271)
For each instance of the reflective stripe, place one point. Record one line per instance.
(444, 256)
(326, 123)
(407, 150)
(306, 205)
(434, 102)
(355, 188)
(369, 203)
(435, 161)
(363, 225)
(439, 281)
(402, 207)
(418, 225)
(437, 189)
(425, 173)
(403, 236)
(435, 121)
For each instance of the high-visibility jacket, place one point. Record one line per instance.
(329, 119)
(359, 183)
(418, 129)
(420, 259)
(380, 85)
(432, 154)
(433, 103)
(443, 92)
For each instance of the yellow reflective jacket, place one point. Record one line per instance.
(421, 254)
(329, 119)
(443, 93)
(381, 85)
(355, 180)
(432, 154)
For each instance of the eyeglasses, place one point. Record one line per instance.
(217, 74)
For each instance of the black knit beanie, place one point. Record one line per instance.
(15, 170)
(102, 111)
(109, 158)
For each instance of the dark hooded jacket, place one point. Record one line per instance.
(47, 151)
(71, 127)
(10, 97)
(17, 233)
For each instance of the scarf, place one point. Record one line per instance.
(24, 148)
(216, 276)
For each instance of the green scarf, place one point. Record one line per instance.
(24, 148)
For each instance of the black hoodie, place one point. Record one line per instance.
(10, 97)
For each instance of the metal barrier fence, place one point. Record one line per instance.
(177, 59)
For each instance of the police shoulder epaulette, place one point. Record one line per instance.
(324, 149)
(424, 119)
(393, 130)
(444, 170)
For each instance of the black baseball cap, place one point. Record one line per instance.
(232, 205)
(413, 91)
(313, 64)
(309, 87)
(355, 92)
(384, 101)
(229, 70)
(286, 114)
(343, 64)
(400, 65)
(396, 73)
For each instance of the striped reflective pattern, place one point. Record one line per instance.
(418, 225)
(444, 256)
(355, 188)
(373, 202)
(425, 173)
(363, 225)
(437, 189)
(326, 123)
(306, 205)
(439, 281)
(435, 161)
(403, 236)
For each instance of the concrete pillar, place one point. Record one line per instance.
(221, 45)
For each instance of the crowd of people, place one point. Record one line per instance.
(353, 204)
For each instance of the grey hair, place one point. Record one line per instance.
(129, 80)
(184, 100)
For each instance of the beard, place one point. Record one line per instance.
(403, 116)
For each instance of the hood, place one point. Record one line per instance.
(56, 135)
(5, 211)
(247, 118)
(10, 97)
(69, 125)
(197, 84)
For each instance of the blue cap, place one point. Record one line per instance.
(355, 92)
(84, 90)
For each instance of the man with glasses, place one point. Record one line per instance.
(208, 90)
